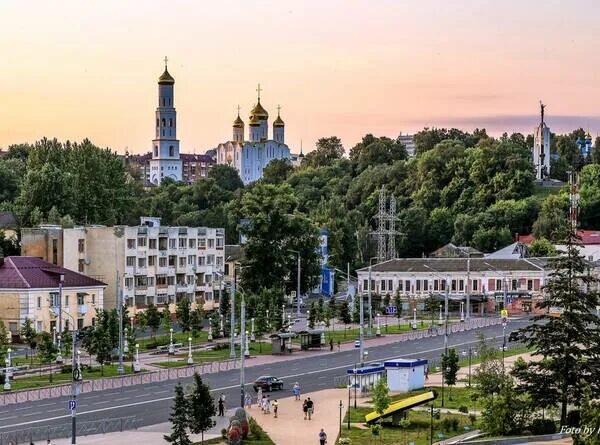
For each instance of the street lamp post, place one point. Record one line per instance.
(378, 331)
(120, 367)
(61, 280)
(210, 336)
(470, 355)
(232, 312)
(341, 406)
(462, 313)
(503, 343)
(221, 331)
(441, 320)
(349, 386)
(190, 359)
(414, 323)
(361, 330)
(59, 358)
(268, 322)
(136, 364)
(171, 346)
(252, 336)
(7, 370)
(242, 344)
(370, 325)
(246, 344)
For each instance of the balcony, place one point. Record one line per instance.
(82, 309)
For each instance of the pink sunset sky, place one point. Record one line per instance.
(73, 69)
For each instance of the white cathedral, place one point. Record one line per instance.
(165, 162)
(250, 157)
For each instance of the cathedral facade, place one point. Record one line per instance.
(250, 156)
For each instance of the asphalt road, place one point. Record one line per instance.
(151, 403)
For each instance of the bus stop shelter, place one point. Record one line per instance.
(281, 342)
(311, 339)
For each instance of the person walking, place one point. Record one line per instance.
(221, 405)
(296, 390)
(331, 344)
(268, 406)
(339, 345)
(310, 408)
(275, 406)
(248, 401)
(322, 437)
(305, 408)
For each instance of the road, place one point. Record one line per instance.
(151, 403)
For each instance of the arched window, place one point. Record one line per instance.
(164, 122)
(171, 151)
(170, 122)
(155, 151)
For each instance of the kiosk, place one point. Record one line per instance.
(405, 375)
(364, 378)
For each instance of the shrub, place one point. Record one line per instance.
(255, 430)
(472, 418)
(224, 433)
(542, 426)
(344, 441)
(463, 409)
(66, 369)
(454, 423)
(446, 424)
(375, 430)
(574, 418)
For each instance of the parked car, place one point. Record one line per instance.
(268, 383)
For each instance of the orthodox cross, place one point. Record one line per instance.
(278, 109)
(238, 109)
(259, 90)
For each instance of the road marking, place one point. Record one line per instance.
(145, 402)
(31, 414)
(120, 399)
(102, 401)
(48, 404)
(25, 407)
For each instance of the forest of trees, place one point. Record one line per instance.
(467, 188)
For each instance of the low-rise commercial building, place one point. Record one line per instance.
(31, 288)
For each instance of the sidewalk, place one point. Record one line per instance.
(290, 428)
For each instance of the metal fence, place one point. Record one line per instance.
(29, 395)
(42, 433)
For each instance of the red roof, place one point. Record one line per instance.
(27, 272)
(588, 237)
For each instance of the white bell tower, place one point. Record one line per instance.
(165, 162)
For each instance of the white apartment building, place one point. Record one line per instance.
(149, 263)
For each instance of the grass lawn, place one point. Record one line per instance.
(418, 431)
(21, 360)
(180, 360)
(40, 381)
(454, 398)
(348, 335)
(178, 337)
(475, 360)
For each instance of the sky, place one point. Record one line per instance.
(73, 69)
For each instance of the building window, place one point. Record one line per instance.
(81, 265)
(219, 261)
(80, 298)
(171, 151)
(54, 251)
(131, 243)
(162, 262)
(191, 260)
(152, 243)
(152, 260)
(54, 299)
(163, 120)
(443, 285)
(192, 243)
(435, 284)
(129, 282)
(382, 285)
(182, 243)
(80, 323)
(400, 287)
(66, 300)
(461, 285)
(150, 281)
(418, 283)
(220, 243)
(475, 285)
(453, 288)
(211, 243)
(141, 242)
(141, 262)
(499, 285)
(81, 245)
(202, 243)
(407, 286)
(514, 284)
(172, 260)
(155, 151)
(425, 285)
(93, 298)
(172, 243)
(130, 261)
(170, 122)
(182, 261)
(39, 302)
(529, 284)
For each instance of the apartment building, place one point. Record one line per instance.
(149, 263)
(488, 281)
(42, 292)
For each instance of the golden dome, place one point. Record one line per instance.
(238, 122)
(278, 122)
(259, 112)
(254, 121)
(166, 78)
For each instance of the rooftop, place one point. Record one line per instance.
(587, 237)
(27, 272)
(440, 265)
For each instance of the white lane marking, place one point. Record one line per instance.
(145, 402)
(25, 407)
(48, 404)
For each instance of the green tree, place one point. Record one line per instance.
(569, 343)
(552, 221)
(260, 323)
(165, 319)
(46, 350)
(313, 315)
(179, 419)
(196, 317)
(277, 171)
(541, 247)
(381, 395)
(320, 309)
(506, 414)
(345, 313)
(66, 341)
(590, 418)
(152, 319)
(29, 333)
(201, 408)
(450, 368)
(226, 177)
(326, 152)
(183, 314)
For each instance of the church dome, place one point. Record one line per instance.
(278, 122)
(238, 122)
(254, 121)
(166, 79)
(259, 112)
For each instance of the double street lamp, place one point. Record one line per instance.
(7, 370)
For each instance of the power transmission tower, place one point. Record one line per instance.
(381, 227)
(391, 250)
(386, 227)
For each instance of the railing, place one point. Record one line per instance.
(62, 431)
(160, 375)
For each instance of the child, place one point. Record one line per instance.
(275, 406)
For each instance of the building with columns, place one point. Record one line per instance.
(165, 162)
(249, 157)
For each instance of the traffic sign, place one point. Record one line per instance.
(391, 310)
(504, 313)
(72, 405)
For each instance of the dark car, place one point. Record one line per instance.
(268, 383)
(513, 336)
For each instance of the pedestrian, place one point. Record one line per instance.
(259, 394)
(322, 437)
(275, 406)
(296, 390)
(426, 372)
(221, 407)
(339, 345)
(331, 344)
(268, 406)
(305, 408)
(248, 401)
(310, 408)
